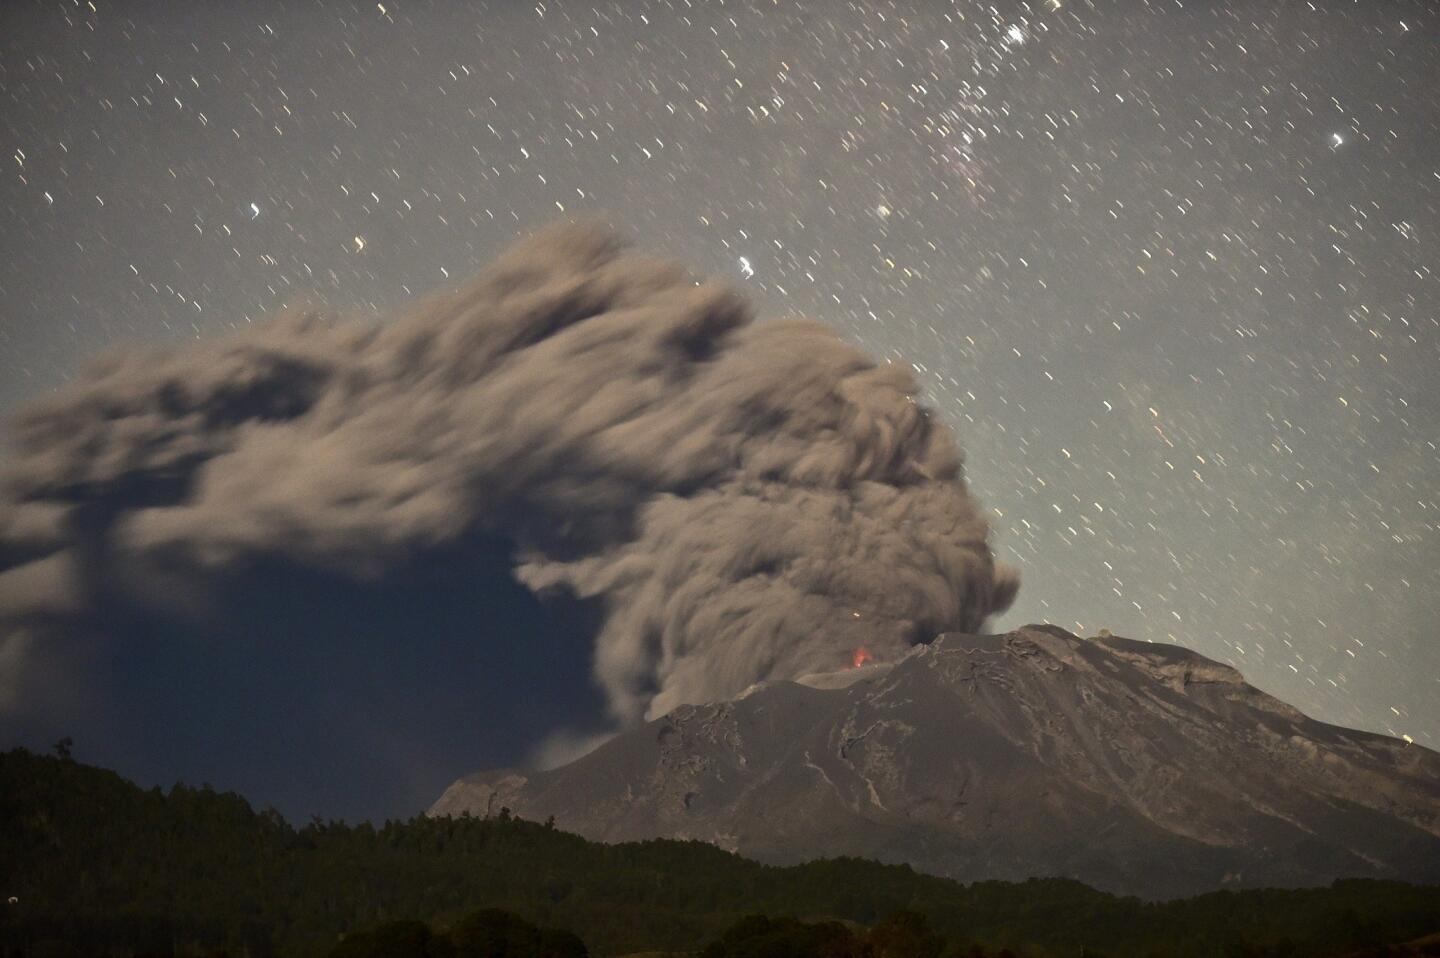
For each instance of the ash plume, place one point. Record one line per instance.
(745, 501)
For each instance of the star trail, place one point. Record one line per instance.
(1169, 269)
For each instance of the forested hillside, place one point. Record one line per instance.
(88, 858)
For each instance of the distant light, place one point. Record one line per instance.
(1336, 141)
(746, 269)
(1015, 34)
(882, 211)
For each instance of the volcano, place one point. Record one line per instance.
(1135, 767)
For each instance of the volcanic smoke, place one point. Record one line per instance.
(730, 492)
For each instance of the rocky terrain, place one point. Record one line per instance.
(1138, 768)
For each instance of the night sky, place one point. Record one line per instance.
(1169, 269)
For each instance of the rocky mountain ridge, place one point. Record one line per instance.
(1138, 768)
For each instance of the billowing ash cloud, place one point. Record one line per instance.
(746, 501)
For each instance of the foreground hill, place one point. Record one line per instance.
(114, 869)
(1137, 768)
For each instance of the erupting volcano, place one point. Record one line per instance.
(1139, 768)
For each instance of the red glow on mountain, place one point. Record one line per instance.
(862, 655)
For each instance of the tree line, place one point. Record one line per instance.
(92, 863)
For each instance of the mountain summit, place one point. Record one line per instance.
(1137, 768)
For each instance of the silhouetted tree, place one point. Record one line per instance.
(905, 934)
(492, 933)
(395, 939)
(758, 936)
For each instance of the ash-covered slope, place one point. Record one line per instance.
(1139, 768)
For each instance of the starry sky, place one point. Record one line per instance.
(1168, 268)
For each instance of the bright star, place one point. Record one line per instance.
(745, 268)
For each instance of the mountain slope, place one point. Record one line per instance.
(90, 859)
(1137, 768)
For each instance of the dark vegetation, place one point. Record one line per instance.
(98, 866)
(487, 933)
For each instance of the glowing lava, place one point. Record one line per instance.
(862, 655)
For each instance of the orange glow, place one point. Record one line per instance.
(861, 656)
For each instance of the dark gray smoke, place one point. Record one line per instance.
(747, 501)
